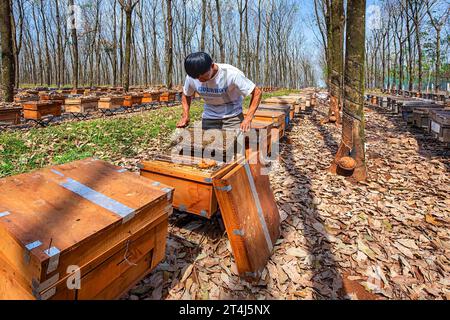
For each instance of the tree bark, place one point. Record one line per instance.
(47, 51)
(169, 46)
(60, 65)
(128, 8)
(8, 72)
(219, 29)
(75, 58)
(202, 37)
(437, 25)
(336, 57)
(353, 138)
(144, 42)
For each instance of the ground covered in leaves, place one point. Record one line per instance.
(384, 239)
(387, 238)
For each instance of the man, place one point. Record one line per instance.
(222, 87)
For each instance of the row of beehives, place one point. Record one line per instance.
(32, 106)
(433, 116)
(436, 96)
(91, 230)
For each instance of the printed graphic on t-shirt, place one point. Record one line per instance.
(223, 94)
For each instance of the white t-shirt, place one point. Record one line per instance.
(223, 94)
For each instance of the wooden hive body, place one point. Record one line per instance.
(38, 109)
(110, 102)
(440, 124)
(10, 114)
(194, 191)
(150, 97)
(287, 109)
(86, 213)
(81, 104)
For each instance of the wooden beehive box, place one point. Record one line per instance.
(287, 109)
(81, 104)
(132, 100)
(421, 116)
(109, 223)
(293, 101)
(194, 190)
(396, 102)
(167, 96)
(10, 113)
(407, 107)
(440, 124)
(150, 97)
(38, 109)
(276, 118)
(110, 102)
(302, 97)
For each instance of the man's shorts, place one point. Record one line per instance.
(228, 123)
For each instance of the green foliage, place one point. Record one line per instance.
(110, 139)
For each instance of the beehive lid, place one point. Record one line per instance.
(6, 106)
(258, 125)
(52, 211)
(34, 105)
(250, 216)
(285, 99)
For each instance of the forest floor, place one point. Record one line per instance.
(387, 238)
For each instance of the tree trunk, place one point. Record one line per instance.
(258, 45)
(336, 57)
(17, 42)
(202, 37)
(114, 46)
(156, 70)
(438, 61)
(353, 138)
(219, 29)
(121, 46)
(60, 65)
(144, 42)
(247, 40)
(47, 51)
(74, 46)
(127, 60)
(410, 55)
(7, 55)
(240, 33)
(169, 46)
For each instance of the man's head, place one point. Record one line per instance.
(199, 66)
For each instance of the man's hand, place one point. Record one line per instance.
(246, 124)
(183, 123)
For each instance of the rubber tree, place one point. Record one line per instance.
(336, 36)
(353, 137)
(169, 46)
(7, 54)
(75, 59)
(128, 6)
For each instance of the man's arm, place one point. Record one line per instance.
(186, 103)
(254, 104)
